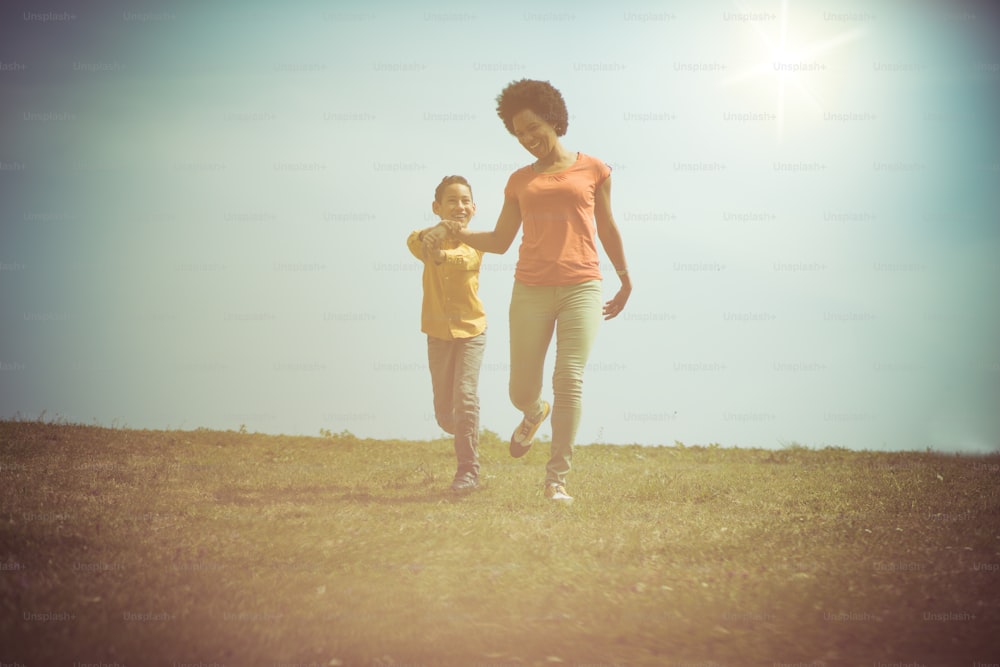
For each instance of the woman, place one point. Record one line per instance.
(557, 282)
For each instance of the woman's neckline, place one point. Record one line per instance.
(558, 171)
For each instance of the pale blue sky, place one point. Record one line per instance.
(205, 208)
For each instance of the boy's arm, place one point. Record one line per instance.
(416, 244)
(419, 241)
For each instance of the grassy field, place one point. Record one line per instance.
(225, 548)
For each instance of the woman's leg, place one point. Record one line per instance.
(532, 320)
(578, 319)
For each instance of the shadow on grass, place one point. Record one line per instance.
(41, 540)
(331, 493)
(237, 495)
(430, 496)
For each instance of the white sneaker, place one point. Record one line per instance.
(557, 493)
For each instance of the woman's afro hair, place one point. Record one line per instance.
(539, 96)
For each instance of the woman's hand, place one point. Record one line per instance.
(454, 227)
(611, 239)
(613, 308)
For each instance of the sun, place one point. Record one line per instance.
(787, 62)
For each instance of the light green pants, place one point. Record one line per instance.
(574, 313)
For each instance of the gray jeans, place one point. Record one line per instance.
(455, 366)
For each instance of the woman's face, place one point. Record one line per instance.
(534, 133)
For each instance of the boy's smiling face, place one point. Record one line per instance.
(455, 204)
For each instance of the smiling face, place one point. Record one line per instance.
(534, 133)
(455, 203)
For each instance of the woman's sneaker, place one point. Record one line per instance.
(557, 493)
(520, 442)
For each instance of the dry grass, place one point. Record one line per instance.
(188, 547)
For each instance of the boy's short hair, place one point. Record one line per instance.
(540, 96)
(450, 180)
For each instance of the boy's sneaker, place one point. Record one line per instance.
(465, 483)
(520, 442)
(557, 493)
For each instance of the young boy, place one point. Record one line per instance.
(453, 318)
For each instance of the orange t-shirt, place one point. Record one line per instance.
(558, 245)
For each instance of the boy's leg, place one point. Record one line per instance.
(532, 319)
(576, 328)
(441, 360)
(468, 362)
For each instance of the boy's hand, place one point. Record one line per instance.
(434, 236)
(432, 242)
(432, 248)
(437, 233)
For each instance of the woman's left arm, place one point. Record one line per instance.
(611, 240)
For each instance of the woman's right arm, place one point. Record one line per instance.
(499, 240)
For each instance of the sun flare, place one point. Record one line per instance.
(788, 62)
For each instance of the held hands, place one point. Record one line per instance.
(454, 228)
(437, 233)
(432, 243)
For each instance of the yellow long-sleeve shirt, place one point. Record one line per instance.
(451, 306)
